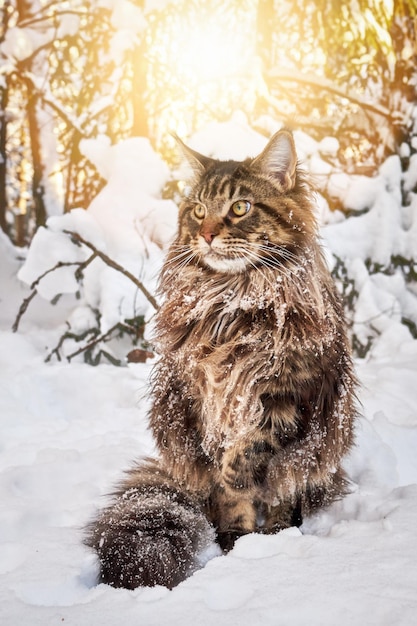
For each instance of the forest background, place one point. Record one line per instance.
(76, 70)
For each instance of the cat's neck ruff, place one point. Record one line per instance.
(201, 292)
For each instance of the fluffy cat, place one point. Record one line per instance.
(253, 394)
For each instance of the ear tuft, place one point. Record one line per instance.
(198, 162)
(279, 159)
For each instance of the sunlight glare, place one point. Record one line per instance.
(210, 53)
(205, 61)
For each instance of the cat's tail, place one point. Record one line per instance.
(153, 533)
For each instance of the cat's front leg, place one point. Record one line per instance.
(233, 513)
(245, 466)
(243, 470)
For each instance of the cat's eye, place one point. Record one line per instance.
(241, 207)
(199, 211)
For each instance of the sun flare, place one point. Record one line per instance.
(209, 53)
(206, 68)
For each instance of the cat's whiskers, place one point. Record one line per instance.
(261, 264)
(253, 253)
(277, 258)
(180, 249)
(258, 264)
(275, 250)
(180, 260)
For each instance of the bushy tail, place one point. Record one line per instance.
(152, 533)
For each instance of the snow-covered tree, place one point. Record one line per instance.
(64, 78)
(80, 78)
(347, 69)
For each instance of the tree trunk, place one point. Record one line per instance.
(140, 116)
(38, 189)
(4, 94)
(3, 159)
(265, 31)
(40, 123)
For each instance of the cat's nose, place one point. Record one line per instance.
(208, 236)
(209, 230)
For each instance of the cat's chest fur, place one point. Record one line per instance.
(235, 339)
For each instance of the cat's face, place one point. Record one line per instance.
(241, 215)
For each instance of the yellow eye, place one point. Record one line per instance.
(199, 211)
(241, 207)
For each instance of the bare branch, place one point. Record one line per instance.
(56, 267)
(48, 99)
(23, 309)
(94, 342)
(80, 267)
(69, 335)
(49, 17)
(119, 268)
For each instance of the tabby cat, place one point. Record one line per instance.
(253, 395)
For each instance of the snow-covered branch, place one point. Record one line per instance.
(41, 92)
(78, 240)
(78, 273)
(319, 82)
(51, 17)
(80, 266)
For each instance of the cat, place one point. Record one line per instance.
(254, 392)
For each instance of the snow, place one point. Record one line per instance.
(21, 42)
(69, 430)
(128, 22)
(127, 221)
(229, 140)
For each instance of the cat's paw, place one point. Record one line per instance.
(227, 539)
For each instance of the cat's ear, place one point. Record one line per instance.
(198, 162)
(279, 159)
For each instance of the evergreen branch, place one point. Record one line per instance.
(113, 264)
(96, 340)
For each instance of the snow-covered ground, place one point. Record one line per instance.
(69, 429)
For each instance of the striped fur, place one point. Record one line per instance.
(253, 395)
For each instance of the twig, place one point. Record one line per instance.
(98, 338)
(49, 17)
(78, 240)
(22, 309)
(47, 98)
(388, 311)
(69, 335)
(113, 264)
(27, 301)
(94, 342)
